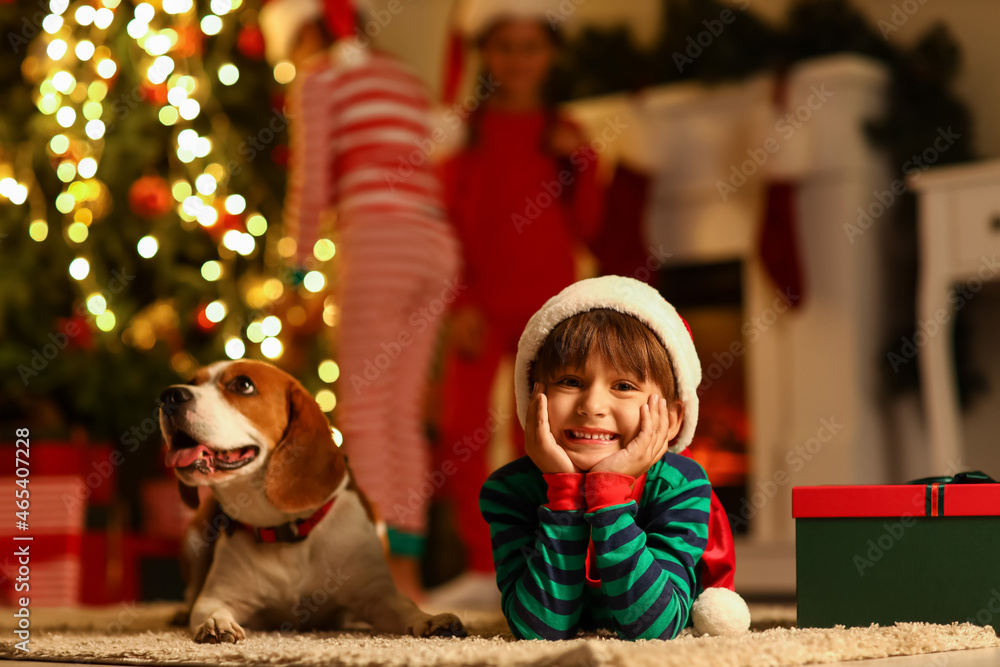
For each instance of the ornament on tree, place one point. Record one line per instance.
(250, 42)
(78, 333)
(204, 323)
(149, 197)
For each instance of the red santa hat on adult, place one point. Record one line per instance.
(281, 20)
(718, 610)
(471, 18)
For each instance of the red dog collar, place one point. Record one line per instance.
(292, 531)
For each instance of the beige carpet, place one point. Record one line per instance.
(127, 634)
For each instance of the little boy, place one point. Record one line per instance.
(603, 524)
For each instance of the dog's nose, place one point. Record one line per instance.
(174, 396)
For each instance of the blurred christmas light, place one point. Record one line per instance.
(181, 190)
(245, 245)
(79, 268)
(271, 348)
(48, 104)
(215, 311)
(160, 70)
(65, 202)
(314, 281)
(92, 110)
(94, 129)
(85, 49)
(207, 216)
(105, 321)
(271, 326)
(329, 371)
(284, 72)
(157, 45)
(107, 68)
(59, 144)
(255, 332)
(52, 23)
(104, 17)
(205, 184)
(39, 231)
(137, 28)
(85, 14)
(177, 6)
(235, 349)
(168, 115)
(326, 399)
(211, 271)
(231, 239)
(273, 289)
(176, 95)
(235, 204)
(19, 195)
(96, 304)
(147, 246)
(189, 109)
(221, 7)
(338, 437)
(87, 167)
(58, 6)
(257, 225)
(66, 116)
(97, 91)
(211, 25)
(144, 12)
(287, 246)
(229, 74)
(324, 250)
(77, 232)
(56, 49)
(66, 171)
(63, 81)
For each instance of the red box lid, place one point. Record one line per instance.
(896, 500)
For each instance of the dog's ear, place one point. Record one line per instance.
(306, 466)
(189, 495)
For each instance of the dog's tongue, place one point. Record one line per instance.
(181, 458)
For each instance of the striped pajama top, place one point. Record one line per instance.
(360, 141)
(581, 551)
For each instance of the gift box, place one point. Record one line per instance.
(907, 552)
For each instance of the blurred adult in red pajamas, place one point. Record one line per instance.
(358, 119)
(521, 193)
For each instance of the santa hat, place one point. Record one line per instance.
(281, 20)
(471, 18)
(718, 610)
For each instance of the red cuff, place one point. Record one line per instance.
(565, 490)
(604, 489)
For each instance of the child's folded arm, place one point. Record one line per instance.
(540, 556)
(649, 576)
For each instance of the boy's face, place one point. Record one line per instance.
(594, 411)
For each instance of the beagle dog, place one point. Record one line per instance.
(287, 540)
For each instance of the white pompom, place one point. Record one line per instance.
(720, 611)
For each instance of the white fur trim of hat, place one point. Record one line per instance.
(280, 22)
(628, 296)
(475, 16)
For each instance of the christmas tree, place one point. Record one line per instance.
(142, 152)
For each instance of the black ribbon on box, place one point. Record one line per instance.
(934, 496)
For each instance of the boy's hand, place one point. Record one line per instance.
(649, 445)
(539, 442)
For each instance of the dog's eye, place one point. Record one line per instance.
(241, 384)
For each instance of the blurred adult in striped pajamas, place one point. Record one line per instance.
(360, 139)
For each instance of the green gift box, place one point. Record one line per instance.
(907, 552)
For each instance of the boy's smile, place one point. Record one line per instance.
(594, 411)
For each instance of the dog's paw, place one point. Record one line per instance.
(443, 625)
(217, 631)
